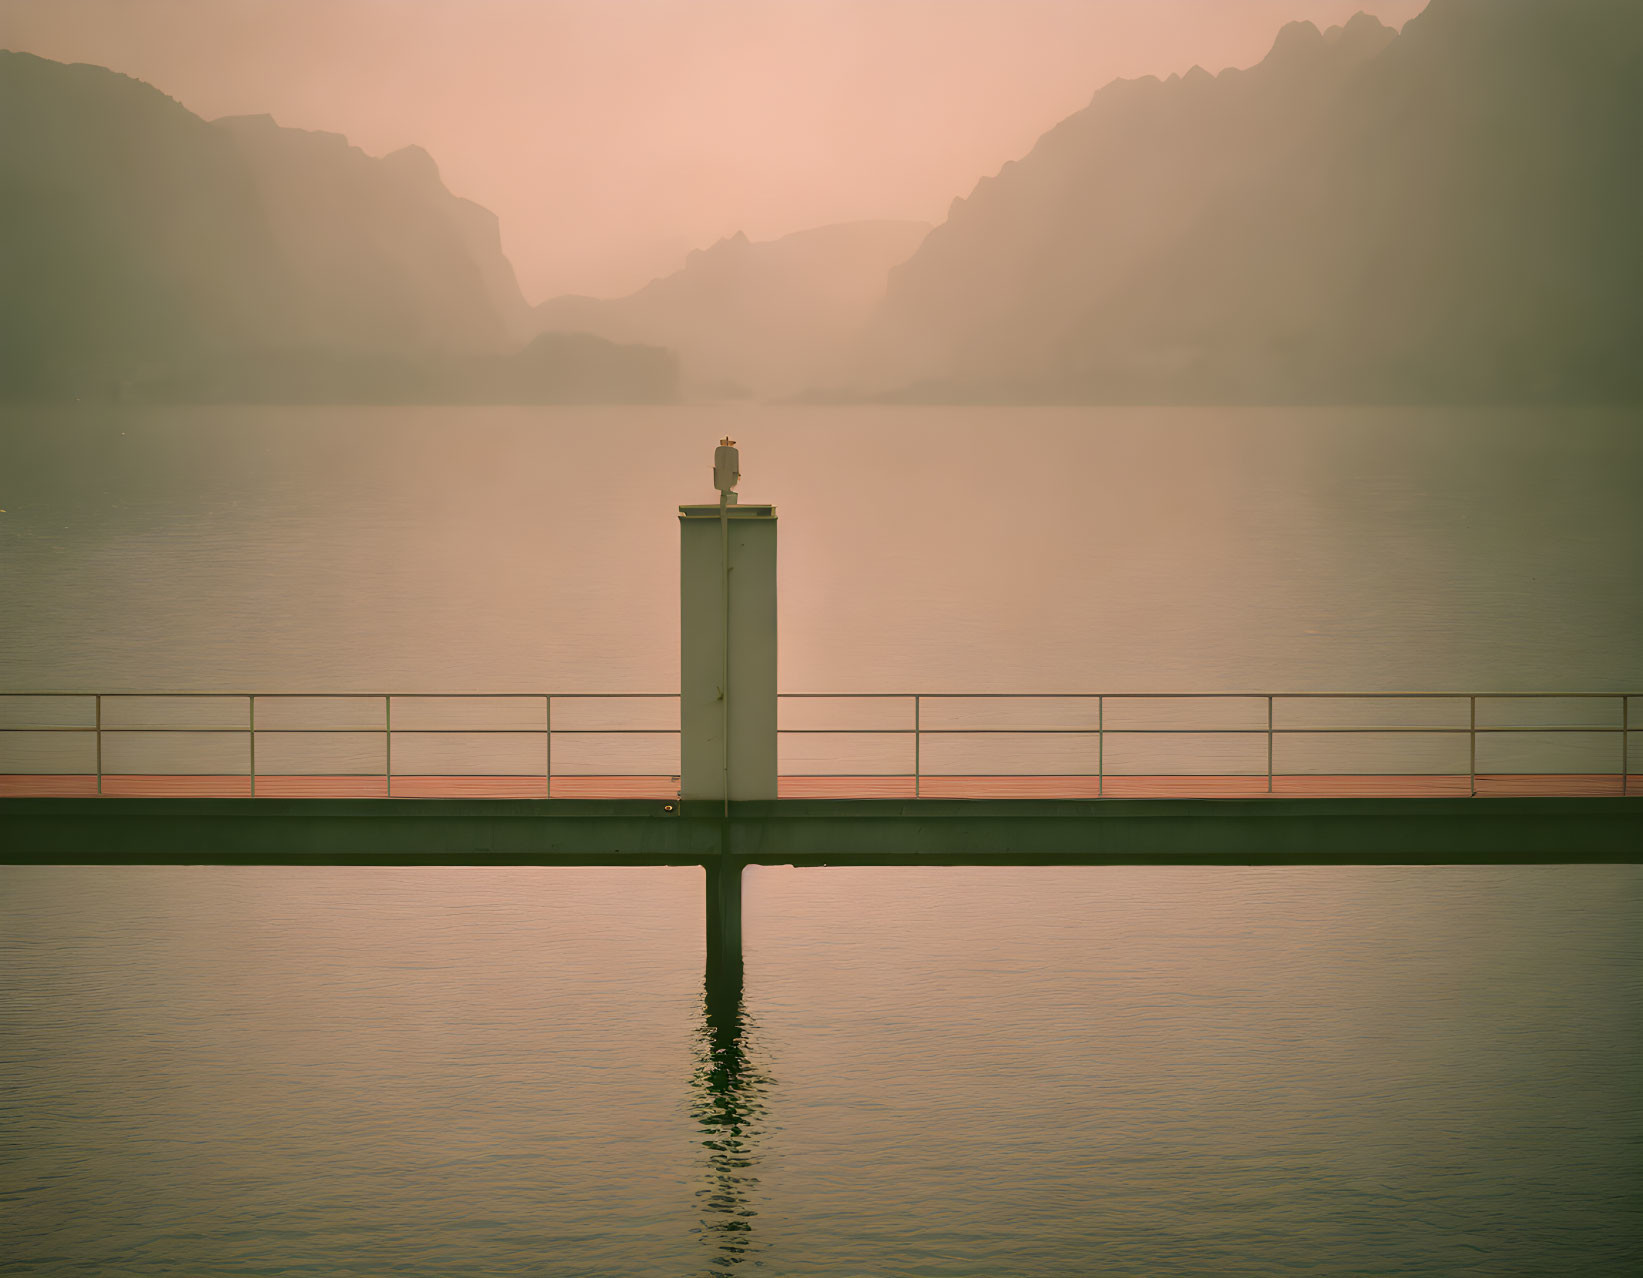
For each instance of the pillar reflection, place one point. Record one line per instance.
(730, 1105)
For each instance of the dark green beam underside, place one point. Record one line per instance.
(822, 831)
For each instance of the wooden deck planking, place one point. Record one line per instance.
(81, 785)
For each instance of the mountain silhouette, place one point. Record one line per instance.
(768, 319)
(1446, 214)
(387, 257)
(145, 252)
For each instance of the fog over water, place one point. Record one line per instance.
(922, 549)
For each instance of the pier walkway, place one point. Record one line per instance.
(180, 785)
(877, 779)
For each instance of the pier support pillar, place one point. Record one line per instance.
(727, 689)
(724, 926)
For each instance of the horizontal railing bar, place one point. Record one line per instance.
(1016, 732)
(1120, 776)
(1311, 732)
(1197, 696)
(1168, 776)
(377, 775)
(1167, 732)
(592, 732)
(853, 732)
(370, 732)
(371, 696)
(496, 732)
(514, 696)
(857, 696)
(1049, 776)
(1079, 776)
(107, 731)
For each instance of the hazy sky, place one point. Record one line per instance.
(612, 136)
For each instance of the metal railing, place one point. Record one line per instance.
(1247, 725)
(920, 732)
(101, 729)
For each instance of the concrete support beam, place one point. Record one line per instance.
(821, 832)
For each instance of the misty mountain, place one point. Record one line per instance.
(768, 318)
(385, 256)
(146, 252)
(1449, 213)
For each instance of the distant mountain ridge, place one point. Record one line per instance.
(390, 256)
(762, 318)
(147, 253)
(1449, 213)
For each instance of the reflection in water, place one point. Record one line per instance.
(729, 1105)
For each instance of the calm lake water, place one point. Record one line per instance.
(957, 550)
(942, 1072)
(936, 1072)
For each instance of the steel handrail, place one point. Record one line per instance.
(1271, 731)
(918, 731)
(842, 696)
(251, 731)
(367, 696)
(1151, 696)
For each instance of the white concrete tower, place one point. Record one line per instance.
(727, 643)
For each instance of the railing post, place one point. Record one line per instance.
(547, 743)
(251, 722)
(1100, 746)
(916, 767)
(1472, 754)
(1269, 743)
(1625, 742)
(99, 743)
(388, 745)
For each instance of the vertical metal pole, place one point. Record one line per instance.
(916, 765)
(724, 690)
(251, 721)
(388, 745)
(1625, 742)
(99, 743)
(547, 738)
(1269, 743)
(1472, 756)
(1100, 746)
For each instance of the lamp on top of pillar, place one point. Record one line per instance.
(727, 469)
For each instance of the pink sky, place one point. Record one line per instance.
(612, 136)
